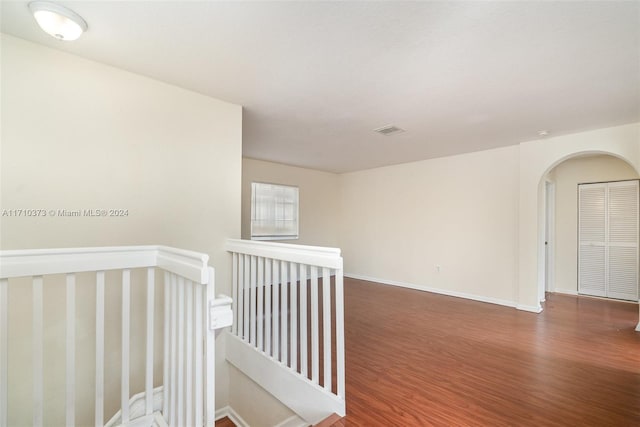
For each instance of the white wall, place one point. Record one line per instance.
(479, 216)
(78, 134)
(459, 212)
(398, 222)
(318, 197)
(537, 158)
(567, 175)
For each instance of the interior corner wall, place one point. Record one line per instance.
(567, 175)
(447, 225)
(319, 212)
(77, 134)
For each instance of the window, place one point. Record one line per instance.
(274, 211)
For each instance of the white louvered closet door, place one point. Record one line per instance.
(608, 240)
(623, 240)
(592, 219)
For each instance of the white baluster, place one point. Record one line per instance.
(234, 292)
(166, 339)
(70, 392)
(210, 373)
(245, 291)
(199, 337)
(284, 313)
(126, 317)
(294, 316)
(174, 351)
(181, 285)
(240, 328)
(340, 334)
(267, 306)
(99, 411)
(315, 350)
(326, 328)
(252, 302)
(38, 307)
(260, 284)
(303, 321)
(275, 315)
(151, 286)
(4, 351)
(189, 339)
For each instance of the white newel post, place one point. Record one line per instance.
(218, 315)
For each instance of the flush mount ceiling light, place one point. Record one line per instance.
(58, 21)
(543, 133)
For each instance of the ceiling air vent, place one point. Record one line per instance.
(389, 130)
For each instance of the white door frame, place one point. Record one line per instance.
(549, 238)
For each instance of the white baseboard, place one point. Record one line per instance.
(447, 292)
(531, 308)
(566, 291)
(575, 293)
(293, 421)
(228, 411)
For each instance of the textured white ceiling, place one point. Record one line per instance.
(315, 77)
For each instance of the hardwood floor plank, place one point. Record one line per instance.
(331, 421)
(416, 358)
(225, 422)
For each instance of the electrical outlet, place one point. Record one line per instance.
(438, 268)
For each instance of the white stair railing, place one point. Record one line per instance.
(188, 374)
(288, 331)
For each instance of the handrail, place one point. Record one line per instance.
(311, 255)
(40, 262)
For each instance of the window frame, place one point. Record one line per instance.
(252, 215)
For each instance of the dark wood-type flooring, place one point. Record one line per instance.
(225, 422)
(419, 359)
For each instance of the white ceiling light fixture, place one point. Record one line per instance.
(543, 133)
(58, 21)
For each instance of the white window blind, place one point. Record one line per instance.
(274, 211)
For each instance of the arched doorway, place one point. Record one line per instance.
(536, 159)
(560, 229)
